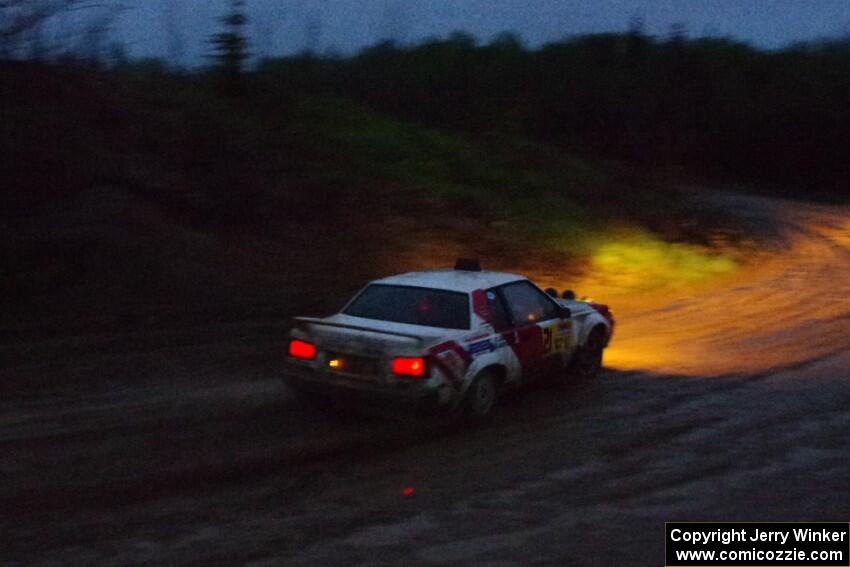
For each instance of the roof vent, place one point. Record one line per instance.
(468, 265)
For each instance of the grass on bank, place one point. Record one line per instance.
(168, 201)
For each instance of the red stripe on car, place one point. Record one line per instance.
(442, 355)
(527, 343)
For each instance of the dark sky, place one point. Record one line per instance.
(286, 26)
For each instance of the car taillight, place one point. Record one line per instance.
(408, 366)
(302, 349)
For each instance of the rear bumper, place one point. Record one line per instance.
(401, 397)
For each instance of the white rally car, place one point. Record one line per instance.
(454, 339)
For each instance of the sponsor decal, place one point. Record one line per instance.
(560, 343)
(480, 347)
(562, 335)
(487, 345)
(476, 337)
(555, 337)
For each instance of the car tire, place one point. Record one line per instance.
(588, 359)
(481, 397)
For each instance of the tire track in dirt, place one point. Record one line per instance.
(785, 306)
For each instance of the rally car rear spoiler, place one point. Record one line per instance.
(319, 322)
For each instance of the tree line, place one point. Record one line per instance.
(718, 108)
(713, 107)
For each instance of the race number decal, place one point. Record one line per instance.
(548, 342)
(555, 337)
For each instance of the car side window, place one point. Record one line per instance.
(528, 304)
(498, 315)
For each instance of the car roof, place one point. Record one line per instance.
(452, 280)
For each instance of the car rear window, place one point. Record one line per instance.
(412, 305)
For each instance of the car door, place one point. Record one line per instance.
(538, 331)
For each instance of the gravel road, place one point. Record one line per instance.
(723, 402)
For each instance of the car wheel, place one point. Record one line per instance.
(588, 359)
(481, 397)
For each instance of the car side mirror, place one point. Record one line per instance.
(568, 294)
(551, 292)
(565, 312)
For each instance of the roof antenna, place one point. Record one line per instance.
(468, 265)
